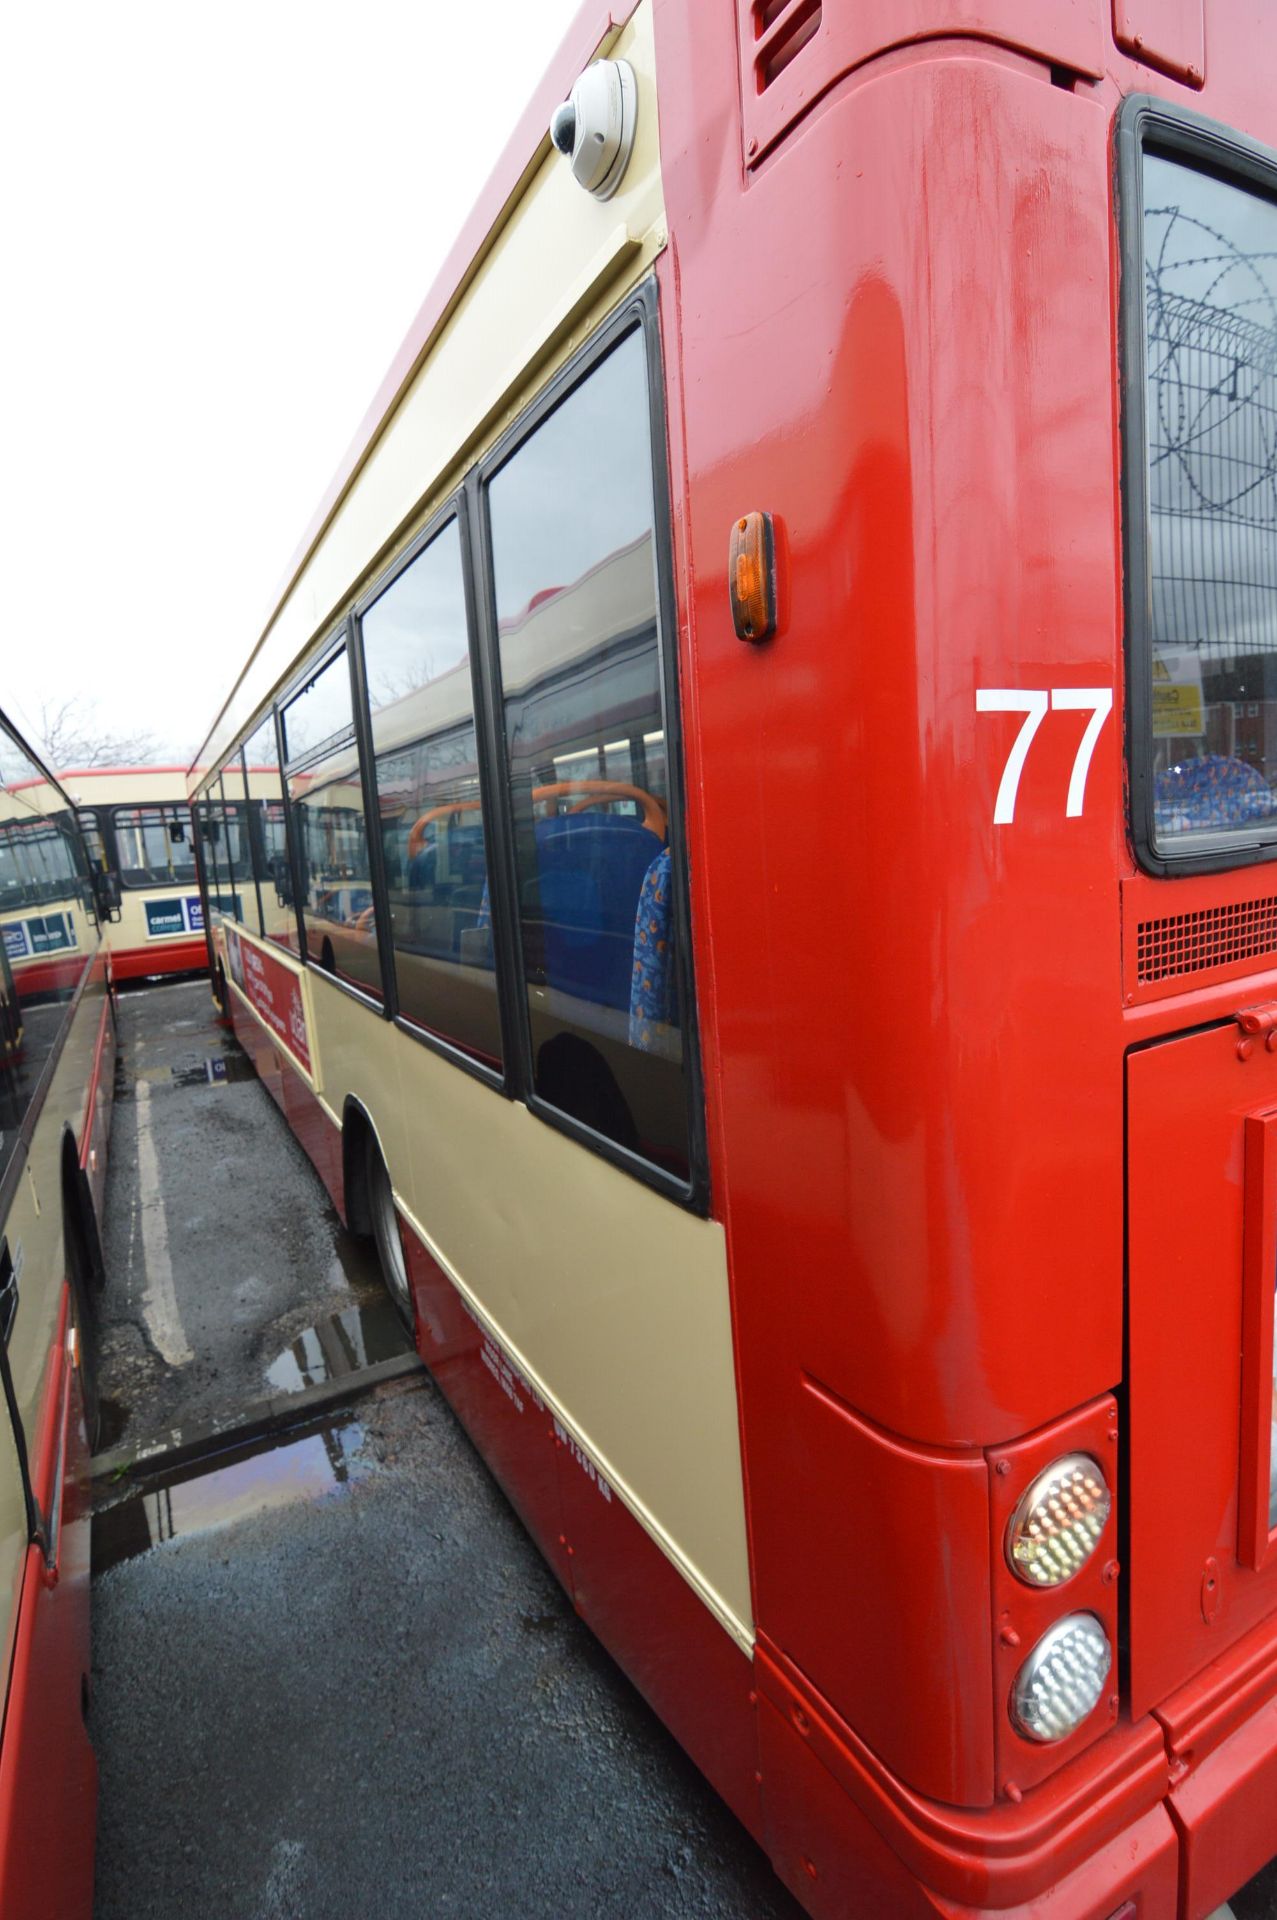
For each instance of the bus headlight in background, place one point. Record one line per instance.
(1061, 1681)
(1058, 1521)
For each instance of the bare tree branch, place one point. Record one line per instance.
(73, 737)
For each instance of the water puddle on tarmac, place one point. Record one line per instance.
(278, 1472)
(217, 1070)
(345, 1343)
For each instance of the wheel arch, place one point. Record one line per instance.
(357, 1129)
(79, 1216)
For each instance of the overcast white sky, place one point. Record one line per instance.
(216, 227)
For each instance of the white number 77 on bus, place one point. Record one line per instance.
(1033, 703)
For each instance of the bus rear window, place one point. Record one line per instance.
(1209, 588)
(155, 845)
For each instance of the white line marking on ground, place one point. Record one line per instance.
(159, 1301)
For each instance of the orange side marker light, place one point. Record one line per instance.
(751, 576)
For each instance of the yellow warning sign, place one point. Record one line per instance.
(1178, 707)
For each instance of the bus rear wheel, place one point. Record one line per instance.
(385, 1232)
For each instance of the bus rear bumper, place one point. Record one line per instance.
(1225, 1812)
(1144, 1826)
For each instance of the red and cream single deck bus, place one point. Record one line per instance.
(57, 1053)
(777, 930)
(137, 824)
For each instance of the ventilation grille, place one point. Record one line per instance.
(782, 29)
(1186, 943)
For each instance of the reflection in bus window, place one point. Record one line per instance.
(235, 842)
(155, 846)
(417, 661)
(268, 838)
(1210, 257)
(575, 575)
(45, 934)
(94, 844)
(337, 907)
(221, 828)
(321, 711)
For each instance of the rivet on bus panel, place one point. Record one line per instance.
(751, 576)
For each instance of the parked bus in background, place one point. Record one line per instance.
(57, 1062)
(773, 933)
(137, 825)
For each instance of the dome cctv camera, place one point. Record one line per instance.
(594, 127)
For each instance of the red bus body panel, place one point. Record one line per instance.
(48, 1773)
(138, 963)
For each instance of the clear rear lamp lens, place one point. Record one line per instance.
(1055, 1527)
(1060, 1683)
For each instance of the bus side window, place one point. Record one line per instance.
(268, 839)
(574, 548)
(416, 645)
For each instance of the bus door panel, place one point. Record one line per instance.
(1202, 1199)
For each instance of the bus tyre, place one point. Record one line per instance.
(385, 1232)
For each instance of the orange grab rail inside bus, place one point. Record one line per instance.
(594, 793)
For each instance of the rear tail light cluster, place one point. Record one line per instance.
(1055, 1591)
(1060, 1684)
(1058, 1522)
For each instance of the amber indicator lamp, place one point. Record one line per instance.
(751, 576)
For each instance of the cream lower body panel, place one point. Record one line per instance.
(611, 1299)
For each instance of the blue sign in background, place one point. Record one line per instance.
(167, 917)
(50, 934)
(164, 916)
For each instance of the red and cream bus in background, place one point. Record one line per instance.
(57, 1056)
(776, 934)
(137, 824)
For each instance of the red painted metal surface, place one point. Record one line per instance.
(792, 55)
(182, 956)
(1256, 1541)
(922, 1702)
(912, 1014)
(55, 977)
(1189, 1103)
(508, 1420)
(318, 1134)
(997, 1857)
(1226, 1811)
(1167, 34)
(48, 1774)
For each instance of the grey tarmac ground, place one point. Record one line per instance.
(220, 1243)
(333, 1679)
